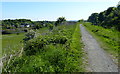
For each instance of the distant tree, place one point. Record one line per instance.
(10, 24)
(93, 18)
(17, 25)
(60, 20)
(81, 20)
(37, 25)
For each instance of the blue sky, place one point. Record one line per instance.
(52, 10)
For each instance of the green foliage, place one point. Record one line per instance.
(108, 19)
(93, 18)
(36, 44)
(60, 20)
(29, 64)
(10, 24)
(81, 20)
(50, 26)
(20, 25)
(29, 35)
(52, 52)
(37, 25)
(41, 24)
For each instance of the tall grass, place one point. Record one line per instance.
(77, 46)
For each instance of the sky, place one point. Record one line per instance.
(51, 10)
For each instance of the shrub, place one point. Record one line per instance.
(29, 35)
(34, 45)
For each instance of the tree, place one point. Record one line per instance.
(109, 18)
(60, 20)
(37, 25)
(93, 18)
(81, 20)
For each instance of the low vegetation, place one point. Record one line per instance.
(11, 43)
(56, 51)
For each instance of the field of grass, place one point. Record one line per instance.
(43, 30)
(57, 51)
(11, 43)
(107, 38)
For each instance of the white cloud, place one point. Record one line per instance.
(60, 0)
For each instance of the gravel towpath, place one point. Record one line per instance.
(98, 59)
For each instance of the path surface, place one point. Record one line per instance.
(98, 60)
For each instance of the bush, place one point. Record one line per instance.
(34, 45)
(29, 35)
(25, 30)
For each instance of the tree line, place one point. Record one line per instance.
(10, 25)
(109, 18)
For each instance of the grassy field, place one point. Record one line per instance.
(107, 38)
(11, 43)
(43, 30)
(57, 51)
